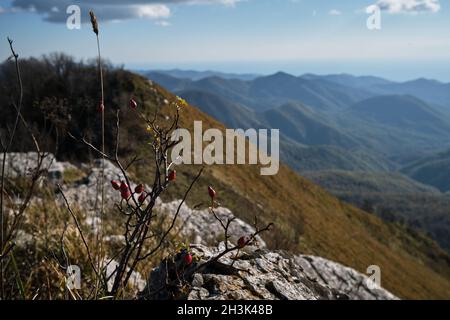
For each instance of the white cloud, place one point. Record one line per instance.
(152, 11)
(409, 6)
(2, 10)
(334, 12)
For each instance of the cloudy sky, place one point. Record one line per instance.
(260, 36)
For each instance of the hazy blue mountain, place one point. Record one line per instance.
(269, 92)
(398, 126)
(403, 111)
(236, 91)
(233, 115)
(302, 124)
(171, 83)
(432, 91)
(281, 87)
(296, 148)
(334, 110)
(349, 134)
(198, 75)
(433, 170)
(365, 82)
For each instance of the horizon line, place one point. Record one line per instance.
(258, 75)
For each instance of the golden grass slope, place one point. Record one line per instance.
(308, 219)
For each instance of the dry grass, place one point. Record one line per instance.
(48, 241)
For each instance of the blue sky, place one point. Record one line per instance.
(258, 36)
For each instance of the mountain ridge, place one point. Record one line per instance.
(308, 219)
(388, 131)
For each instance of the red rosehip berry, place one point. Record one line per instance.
(142, 197)
(139, 189)
(133, 104)
(188, 259)
(212, 192)
(115, 184)
(124, 186)
(172, 175)
(126, 194)
(101, 107)
(243, 241)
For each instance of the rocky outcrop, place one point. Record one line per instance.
(193, 224)
(260, 274)
(257, 273)
(19, 164)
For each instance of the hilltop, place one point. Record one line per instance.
(308, 219)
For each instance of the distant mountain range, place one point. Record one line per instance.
(349, 134)
(198, 75)
(431, 91)
(342, 111)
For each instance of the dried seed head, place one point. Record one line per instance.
(94, 22)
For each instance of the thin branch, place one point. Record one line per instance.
(90, 145)
(175, 217)
(5, 151)
(80, 231)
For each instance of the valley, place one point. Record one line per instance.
(367, 140)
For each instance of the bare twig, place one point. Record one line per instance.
(5, 151)
(80, 231)
(174, 218)
(234, 248)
